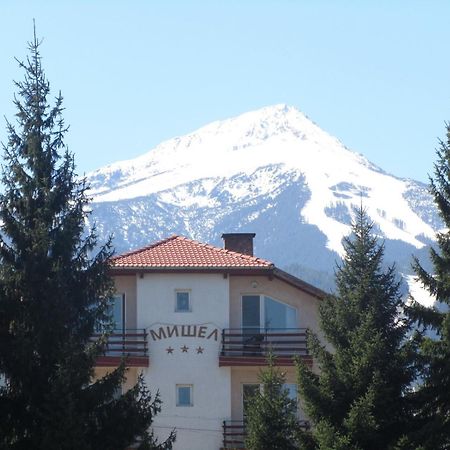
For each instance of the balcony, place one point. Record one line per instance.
(251, 346)
(129, 344)
(234, 433)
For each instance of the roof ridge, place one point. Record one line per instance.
(244, 256)
(148, 247)
(226, 251)
(169, 250)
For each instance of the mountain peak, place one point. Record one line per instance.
(274, 163)
(275, 111)
(264, 122)
(277, 135)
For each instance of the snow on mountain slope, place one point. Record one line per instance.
(250, 160)
(418, 292)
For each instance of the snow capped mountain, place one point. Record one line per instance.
(271, 171)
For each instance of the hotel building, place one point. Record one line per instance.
(198, 322)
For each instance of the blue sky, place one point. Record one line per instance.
(376, 74)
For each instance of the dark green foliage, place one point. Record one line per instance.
(53, 294)
(357, 401)
(271, 415)
(433, 396)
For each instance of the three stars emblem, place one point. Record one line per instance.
(184, 349)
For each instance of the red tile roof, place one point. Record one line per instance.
(178, 252)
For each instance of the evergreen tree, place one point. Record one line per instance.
(271, 422)
(432, 427)
(356, 400)
(53, 294)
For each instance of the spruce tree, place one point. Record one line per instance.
(432, 398)
(54, 290)
(357, 399)
(271, 422)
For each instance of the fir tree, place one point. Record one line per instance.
(271, 422)
(53, 293)
(357, 401)
(432, 421)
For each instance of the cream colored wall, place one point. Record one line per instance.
(307, 317)
(127, 285)
(306, 304)
(131, 376)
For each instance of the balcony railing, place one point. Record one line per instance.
(131, 344)
(251, 346)
(234, 433)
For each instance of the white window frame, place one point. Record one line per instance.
(191, 395)
(262, 319)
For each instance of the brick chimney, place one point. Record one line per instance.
(239, 242)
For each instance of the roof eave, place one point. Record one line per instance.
(270, 270)
(298, 283)
(117, 270)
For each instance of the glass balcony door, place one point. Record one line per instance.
(278, 315)
(260, 313)
(251, 312)
(251, 325)
(118, 313)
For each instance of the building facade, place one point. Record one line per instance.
(198, 322)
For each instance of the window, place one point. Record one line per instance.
(249, 390)
(260, 311)
(118, 391)
(279, 315)
(184, 395)
(251, 314)
(116, 313)
(183, 301)
(291, 389)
